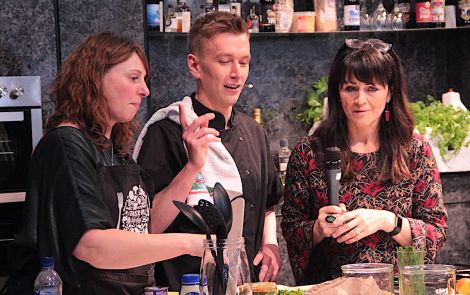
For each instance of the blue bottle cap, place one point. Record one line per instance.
(190, 279)
(47, 261)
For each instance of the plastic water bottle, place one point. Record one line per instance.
(284, 154)
(48, 282)
(205, 290)
(189, 284)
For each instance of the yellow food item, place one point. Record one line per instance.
(264, 288)
(463, 286)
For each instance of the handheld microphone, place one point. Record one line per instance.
(333, 175)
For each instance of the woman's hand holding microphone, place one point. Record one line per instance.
(351, 226)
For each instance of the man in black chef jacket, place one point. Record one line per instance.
(204, 135)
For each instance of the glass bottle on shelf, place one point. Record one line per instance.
(405, 7)
(351, 15)
(423, 14)
(253, 21)
(185, 17)
(170, 19)
(438, 13)
(154, 9)
(179, 18)
(267, 17)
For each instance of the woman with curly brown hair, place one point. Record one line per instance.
(390, 190)
(88, 204)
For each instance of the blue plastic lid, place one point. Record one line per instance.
(47, 261)
(190, 279)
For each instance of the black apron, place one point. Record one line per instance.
(127, 199)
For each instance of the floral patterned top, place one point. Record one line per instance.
(419, 199)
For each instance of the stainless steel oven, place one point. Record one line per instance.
(20, 131)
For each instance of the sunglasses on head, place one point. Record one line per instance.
(377, 44)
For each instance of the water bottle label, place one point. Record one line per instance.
(351, 15)
(47, 291)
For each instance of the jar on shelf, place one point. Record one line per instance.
(284, 15)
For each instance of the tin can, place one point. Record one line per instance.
(156, 291)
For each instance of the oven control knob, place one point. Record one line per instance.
(16, 92)
(3, 91)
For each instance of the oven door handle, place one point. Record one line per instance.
(7, 240)
(11, 116)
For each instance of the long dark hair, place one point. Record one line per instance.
(77, 90)
(370, 63)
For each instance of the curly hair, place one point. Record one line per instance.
(77, 90)
(213, 23)
(370, 65)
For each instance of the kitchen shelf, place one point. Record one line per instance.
(152, 35)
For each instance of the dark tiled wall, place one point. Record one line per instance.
(28, 34)
(79, 19)
(284, 66)
(27, 46)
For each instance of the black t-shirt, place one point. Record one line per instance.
(63, 201)
(163, 156)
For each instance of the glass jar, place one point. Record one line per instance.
(428, 279)
(226, 267)
(381, 273)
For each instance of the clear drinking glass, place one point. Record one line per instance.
(407, 257)
(381, 273)
(428, 279)
(379, 21)
(225, 264)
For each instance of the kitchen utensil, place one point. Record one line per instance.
(216, 222)
(213, 218)
(196, 218)
(223, 204)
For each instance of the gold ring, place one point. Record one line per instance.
(356, 231)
